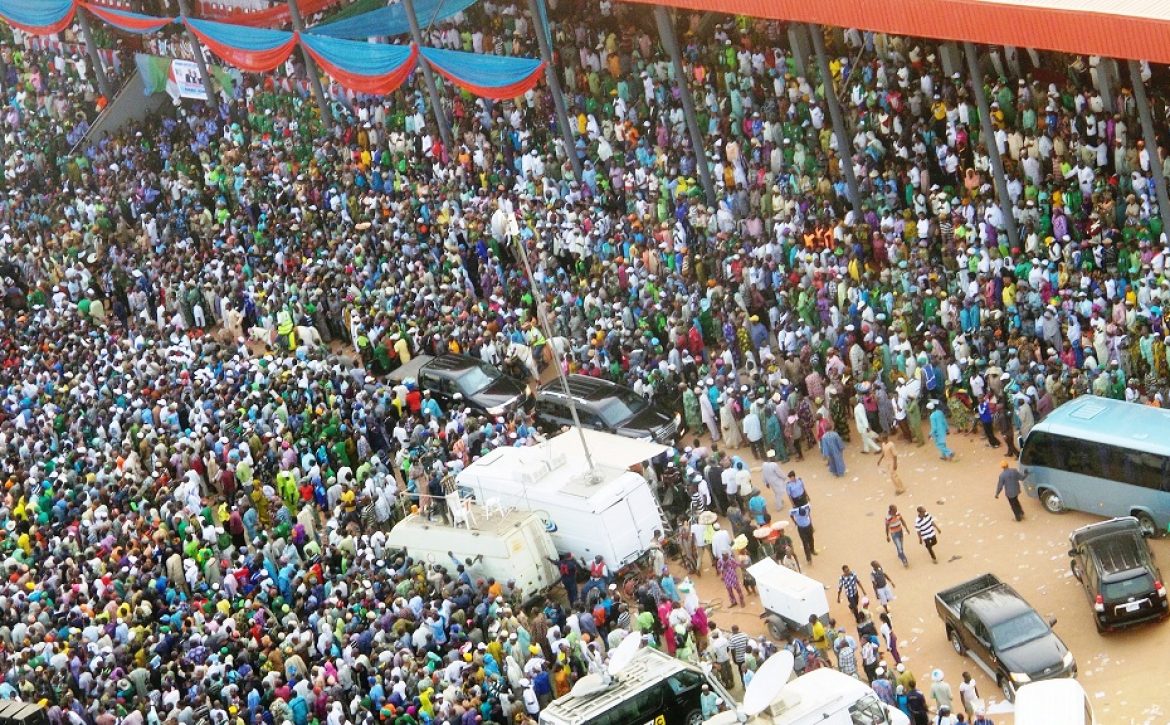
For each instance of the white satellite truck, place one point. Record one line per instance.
(505, 545)
(644, 685)
(609, 510)
(821, 697)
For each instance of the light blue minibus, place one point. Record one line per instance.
(1102, 456)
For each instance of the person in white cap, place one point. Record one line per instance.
(939, 430)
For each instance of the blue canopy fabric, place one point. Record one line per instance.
(490, 76)
(40, 17)
(253, 49)
(391, 20)
(364, 67)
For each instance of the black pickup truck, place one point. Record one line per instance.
(993, 625)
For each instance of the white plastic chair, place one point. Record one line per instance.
(492, 507)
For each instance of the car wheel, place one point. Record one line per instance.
(1076, 570)
(694, 717)
(1146, 522)
(1052, 502)
(957, 643)
(1008, 689)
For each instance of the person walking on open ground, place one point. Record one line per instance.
(802, 517)
(896, 532)
(928, 532)
(853, 588)
(888, 461)
(1009, 482)
(883, 585)
(729, 567)
(939, 430)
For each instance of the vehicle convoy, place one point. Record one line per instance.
(1103, 456)
(609, 511)
(464, 381)
(510, 545)
(989, 622)
(1114, 564)
(605, 406)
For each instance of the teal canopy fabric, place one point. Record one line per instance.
(363, 67)
(490, 76)
(391, 20)
(252, 49)
(39, 17)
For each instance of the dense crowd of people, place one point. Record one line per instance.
(201, 454)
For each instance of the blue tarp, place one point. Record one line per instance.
(241, 37)
(43, 16)
(391, 20)
(481, 71)
(368, 59)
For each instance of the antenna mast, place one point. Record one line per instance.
(558, 361)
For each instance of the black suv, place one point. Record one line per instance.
(459, 381)
(604, 406)
(1114, 564)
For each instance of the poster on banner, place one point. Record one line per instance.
(184, 81)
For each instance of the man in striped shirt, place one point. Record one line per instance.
(928, 532)
(739, 646)
(851, 585)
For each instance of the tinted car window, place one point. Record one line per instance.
(621, 407)
(685, 680)
(474, 379)
(1018, 630)
(1136, 586)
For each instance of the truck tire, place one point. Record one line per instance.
(694, 717)
(1007, 688)
(956, 641)
(1076, 570)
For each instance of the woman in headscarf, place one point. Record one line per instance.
(728, 425)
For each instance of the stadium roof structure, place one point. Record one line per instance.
(1129, 29)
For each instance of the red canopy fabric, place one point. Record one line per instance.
(1137, 29)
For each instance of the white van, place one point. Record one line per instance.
(1061, 701)
(514, 545)
(611, 510)
(820, 697)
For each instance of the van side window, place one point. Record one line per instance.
(683, 681)
(637, 708)
(1038, 450)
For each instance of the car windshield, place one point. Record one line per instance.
(1018, 630)
(473, 380)
(1139, 585)
(621, 407)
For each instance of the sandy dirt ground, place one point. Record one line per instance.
(1124, 674)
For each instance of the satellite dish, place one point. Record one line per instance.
(623, 653)
(589, 685)
(769, 680)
